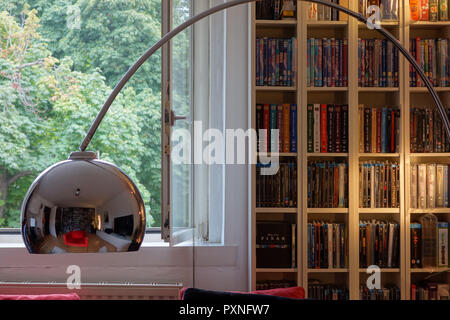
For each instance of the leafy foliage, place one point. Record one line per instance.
(54, 80)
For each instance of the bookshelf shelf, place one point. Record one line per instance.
(275, 88)
(429, 270)
(327, 89)
(378, 89)
(427, 24)
(326, 154)
(379, 210)
(430, 155)
(315, 24)
(379, 155)
(276, 210)
(327, 210)
(276, 270)
(276, 23)
(384, 270)
(425, 90)
(330, 270)
(402, 97)
(383, 24)
(435, 210)
(282, 154)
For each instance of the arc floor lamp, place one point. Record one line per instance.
(87, 205)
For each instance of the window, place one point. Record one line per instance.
(58, 64)
(194, 103)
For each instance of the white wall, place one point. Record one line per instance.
(220, 268)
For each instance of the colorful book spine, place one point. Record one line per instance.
(293, 128)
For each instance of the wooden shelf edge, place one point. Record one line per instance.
(327, 210)
(276, 210)
(379, 210)
(386, 270)
(276, 270)
(333, 270)
(435, 210)
(275, 88)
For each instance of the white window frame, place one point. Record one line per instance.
(208, 105)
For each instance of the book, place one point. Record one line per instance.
(276, 61)
(310, 130)
(414, 8)
(327, 245)
(327, 184)
(424, 10)
(273, 244)
(327, 62)
(431, 185)
(293, 128)
(442, 243)
(416, 245)
(433, 10)
(317, 130)
(429, 240)
(443, 10)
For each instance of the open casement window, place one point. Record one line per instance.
(193, 101)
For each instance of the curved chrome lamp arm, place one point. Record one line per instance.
(167, 37)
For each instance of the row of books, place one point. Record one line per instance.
(389, 292)
(379, 244)
(388, 8)
(379, 184)
(429, 10)
(278, 190)
(379, 129)
(276, 9)
(429, 245)
(319, 12)
(429, 186)
(327, 128)
(327, 245)
(327, 62)
(276, 126)
(276, 62)
(276, 244)
(318, 291)
(432, 55)
(377, 63)
(274, 284)
(430, 291)
(327, 184)
(427, 131)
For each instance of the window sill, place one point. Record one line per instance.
(151, 240)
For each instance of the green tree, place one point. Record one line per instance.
(46, 111)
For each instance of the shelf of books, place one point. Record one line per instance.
(427, 154)
(353, 138)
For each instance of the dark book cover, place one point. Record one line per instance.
(331, 136)
(273, 244)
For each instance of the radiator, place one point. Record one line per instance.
(98, 291)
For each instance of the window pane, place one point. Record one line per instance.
(181, 175)
(59, 63)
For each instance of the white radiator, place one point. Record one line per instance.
(98, 291)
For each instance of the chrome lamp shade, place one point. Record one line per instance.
(83, 205)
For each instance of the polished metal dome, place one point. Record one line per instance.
(83, 205)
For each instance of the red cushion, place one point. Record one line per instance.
(68, 296)
(291, 292)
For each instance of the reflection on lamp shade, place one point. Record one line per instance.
(83, 205)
